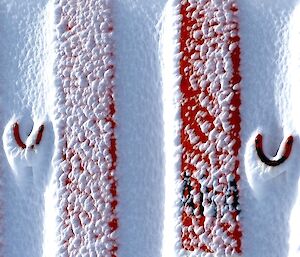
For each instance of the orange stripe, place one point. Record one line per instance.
(210, 116)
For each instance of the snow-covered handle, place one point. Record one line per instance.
(259, 149)
(19, 141)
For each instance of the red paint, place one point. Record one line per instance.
(193, 115)
(19, 141)
(17, 136)
(39, 135)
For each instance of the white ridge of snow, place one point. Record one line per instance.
(139, 105)
(293, 77)
(170, 57)
(50, 239)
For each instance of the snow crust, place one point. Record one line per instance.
(68, 206)
(85, 157)
(270, 75)
(210, 128)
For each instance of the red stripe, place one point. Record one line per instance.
(86, 174)
(39, 135)
(210, 126)
(17, 136)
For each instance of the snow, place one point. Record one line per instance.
(209, 101)
(63, 64)
(269, 65)
(24, 88)
(139, 105)
(269, 68)
(84, 125)
(169, 48)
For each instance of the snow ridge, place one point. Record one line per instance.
(170, 57)
(139, 107)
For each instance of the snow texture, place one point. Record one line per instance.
(210, 128)
(25, 98)
(85, 156)
(71, 195)
(270, 106)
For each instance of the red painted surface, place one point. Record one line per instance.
(200, 231)
(16, 131)
(19, 141)
(39, 134)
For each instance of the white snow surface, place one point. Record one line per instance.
(139, 105)
(25, 79)
(170, 57)
(84, 171)
(270, 62)
(148, 121)
(269, 32)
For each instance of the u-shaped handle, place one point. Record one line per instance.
(19, 141)
(259, 149)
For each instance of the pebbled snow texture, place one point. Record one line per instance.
(79, 106)
(210, 128)
(84, 123)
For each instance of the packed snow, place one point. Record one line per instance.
(26, 173)
(169, 50)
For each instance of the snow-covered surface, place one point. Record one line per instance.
(210, 128)
(270, 71)
(169, 50)
(146, 79)
(84, 124)
(24, 82)
(270, 105)
(139, 106)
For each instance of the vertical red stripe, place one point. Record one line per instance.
(86, 173)
(210, 126)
